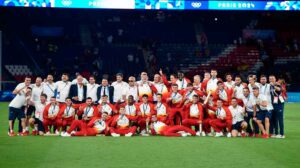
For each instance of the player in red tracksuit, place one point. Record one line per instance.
(146, 110)
(105, 106)
(175, 102)
(223, 120)
(161, 109)
(146, 87)
(210, 84)
(188, 94)
(224, 93)
(66, 115)
(87, 111)
(50, 116)
(182, 81)
(209, 115)
(160, 128)
(194, 115)
(94, 127)
(131, 109)
(120, 125)
(190, 91)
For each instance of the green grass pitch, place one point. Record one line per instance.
(137, 152)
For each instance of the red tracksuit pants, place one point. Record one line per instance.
(49, 122)
(84, 129)
(206, 126)
(142, 123)
(64, 123)
(163, 119)
(189, 122)
(219, 124)
(177, 114)
(123, 131)
(172, 130)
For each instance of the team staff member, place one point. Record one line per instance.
(132, 89)
(263, 114)
(250, 107)
(91, 88)
(238, 122)
(37, 90)
(62, 89)
(15, 108)
(20, 87)
(105, 89)
(278, 105)
(49, 87)
(229, 82)
(238, 89)
(78, 92)
(36, 122)
(119, 88)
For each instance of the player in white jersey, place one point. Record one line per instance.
(263, 113)
(92, 87)
(238, 122)
(36, 122)
(63, 88)
(119, 88)
(15, 108)
(49, 87)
